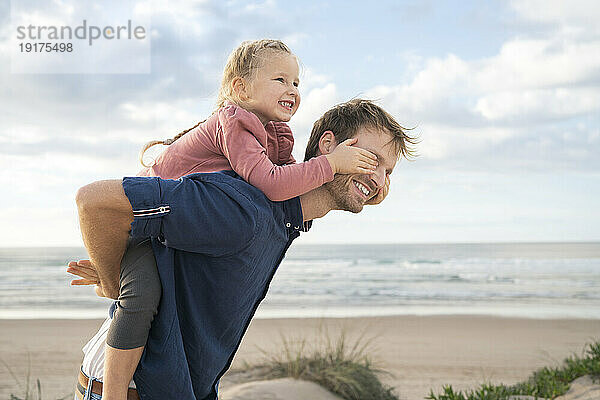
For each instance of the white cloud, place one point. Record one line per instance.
(263, 6)
(594, 136)
(64, 6)
(565, 13)
(180, 91)
(532, 105)
(157, 112)
(294, 39)
(411, 61)
(31, 176)
(440, 92)
(541, 75)
(25, 132)
(50, 226)
(49, 17)
(447, 142)
(539, 63)
(176, 9)
(551, 103)
(310, 79)
(474, 106)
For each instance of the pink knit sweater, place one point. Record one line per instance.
(233, 138)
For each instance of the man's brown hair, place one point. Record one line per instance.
(345, 119)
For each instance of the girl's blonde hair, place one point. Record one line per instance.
(242, 62)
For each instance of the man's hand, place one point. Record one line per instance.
(88, 273)
(382, 194)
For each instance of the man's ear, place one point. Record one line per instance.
(327, 142)
(239, 87)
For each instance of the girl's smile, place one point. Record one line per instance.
(272, 93)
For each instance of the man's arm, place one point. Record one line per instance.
(105, 217)
(210, 214)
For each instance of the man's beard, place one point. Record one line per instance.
(342, 193)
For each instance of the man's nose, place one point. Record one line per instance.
(378, 177)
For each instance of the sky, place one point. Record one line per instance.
(505, 97)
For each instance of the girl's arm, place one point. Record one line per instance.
(285, 141)
(242, 140)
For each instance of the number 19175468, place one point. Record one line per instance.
(46, 47)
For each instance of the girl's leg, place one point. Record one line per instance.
(137, 305)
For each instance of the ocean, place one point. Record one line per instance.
(534, 280)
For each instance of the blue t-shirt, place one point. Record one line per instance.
(218, 242)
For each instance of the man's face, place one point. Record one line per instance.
(351, 192)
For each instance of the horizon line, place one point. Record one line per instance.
(364, 243)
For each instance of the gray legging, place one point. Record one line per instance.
(139, 295)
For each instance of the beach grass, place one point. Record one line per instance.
(29, 392)
(339, 365)
(545, 383)
(343, 366)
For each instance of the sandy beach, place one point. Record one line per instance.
(421, 353)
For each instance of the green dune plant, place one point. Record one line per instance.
(545, 383)
(340, 365)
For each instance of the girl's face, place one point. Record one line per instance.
(272, 93)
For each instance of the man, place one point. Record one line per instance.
(217, 242)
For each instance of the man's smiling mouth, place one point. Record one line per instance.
(363, 189)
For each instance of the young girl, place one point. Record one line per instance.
(247, 133)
